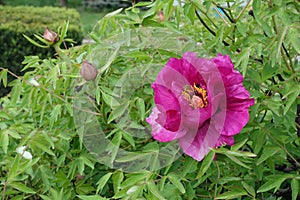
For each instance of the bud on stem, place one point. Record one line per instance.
(88, 71)
(51, 36)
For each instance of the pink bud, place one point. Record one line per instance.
(88, 71)
(50, 35)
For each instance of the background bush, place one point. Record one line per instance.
(16, 21)
(261, 38)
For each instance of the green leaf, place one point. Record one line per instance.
(3, 77)
(117, 112)
(232, 194)
(42, 146)
(102, 182)
(64, 30)
(13, 172)
(140, 103)
(91, 197)
(34, 42)
(55, 114)
(190, 166)
(87, 162)
(176, 181)
(249, 189)
(4, 140)
(206, 164)
(111, 14)
(239, 145)
(267, 153)
(117, 179)
(294, 39)
(110, 60)
(109, 99)
(273, 182)
(237, 161)
(234, 153)
(153, 189)
(290, 100)
(21, 187)
(16, 91)
(114, 146)
(295, 188)
(242, 60)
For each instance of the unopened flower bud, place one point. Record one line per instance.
(88, 71)
(50, 36)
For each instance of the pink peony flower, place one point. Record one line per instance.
(199, 102)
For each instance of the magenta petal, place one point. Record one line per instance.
(159, 132)
(198, 144)
(234, 122)
(164, 97)
(225, 140)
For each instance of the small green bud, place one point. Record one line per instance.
(88, 71)
(51, 36)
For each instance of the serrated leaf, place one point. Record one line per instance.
(205, 164)
(21, 187)
(176, 181)
(102, 182)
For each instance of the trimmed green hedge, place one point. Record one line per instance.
(28, 20)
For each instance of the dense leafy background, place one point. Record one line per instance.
(262, 39)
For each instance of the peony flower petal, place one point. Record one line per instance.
(159, 132)
(165, 97)
(198, 144)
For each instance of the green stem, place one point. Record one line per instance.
(242, 11)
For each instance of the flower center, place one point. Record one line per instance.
(195, 95)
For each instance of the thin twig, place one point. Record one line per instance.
(226, 14)
(211, 31)
(242, 11)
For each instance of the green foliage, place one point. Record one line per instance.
(17, 21)
(65, 123)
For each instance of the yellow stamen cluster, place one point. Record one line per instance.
(195, 95)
